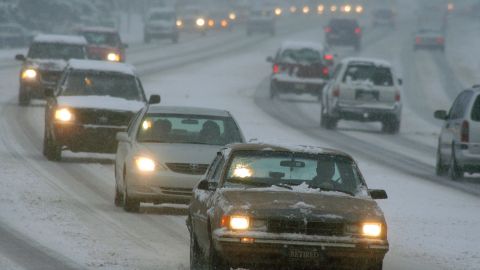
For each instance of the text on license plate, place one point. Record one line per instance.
(295, 253)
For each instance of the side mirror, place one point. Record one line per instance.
(270, 59)
(441, 114)
(378, 194)
(20, 57)
(49, 92)
(203, 185)
(400, 81)
(154, 99)
(122, 137)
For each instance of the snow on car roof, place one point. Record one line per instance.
(100, 29)
(367, 61)
(297, 45)
(68, 39)
(187, 110)
(105, 66)
(260, 146)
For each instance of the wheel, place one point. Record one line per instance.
(129, 204)
(440, 168)
(51, 150)
(455, 172)
(391, 126)
(196, 256)
(376, 266)
(328, 122)
(23, 97)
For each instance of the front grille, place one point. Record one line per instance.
(102, 117)
(187, 168)
(177, 191)
(310, 228)
(50, 76)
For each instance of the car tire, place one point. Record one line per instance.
(440, 168)
(455, 172)
(23, 97)
(196, 256)
(129, 205)
(328, 122)
(376, 266)
(118, 197)
(51, 150)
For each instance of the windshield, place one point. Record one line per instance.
(327, 172)
(81, 83)
(188, 129)
(56, 51)
(300, 55)
(380, 76)
(99, 38)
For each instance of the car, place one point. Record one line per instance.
(261, 20)
(363, 89)
(299, 67)
(271, 207)
(161, 23)
(42, 66)
(343, 31)
(384, 17)
(14, 35)
(91, 103)
(165, 152)
(104, 43)
(429, 38)
(458, 149)
(219, 20)
(192, 19)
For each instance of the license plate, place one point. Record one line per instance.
(366, 96)
(300, 254)
(300, 86)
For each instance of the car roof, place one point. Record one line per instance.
(366, 61)
(106, 66)
(258, 146)
(302, 45)
(187, 110)
(67, 39)
(100, 29)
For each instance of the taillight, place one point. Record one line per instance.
(328, 29)
(336, 92)
(464, 133)
(418, 40)
(440, 40)
(325, 71)
(328, 57)
(276, 69)
(358, 30)
(397, 96)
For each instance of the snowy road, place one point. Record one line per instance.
(68, 206)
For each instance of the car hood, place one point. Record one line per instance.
(180, 153)
(100, 102)
(47, 64)
(315, 205)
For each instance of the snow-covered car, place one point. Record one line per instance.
(299, 67)
(92, 102)
(192, 19)
(261, 20)
(44, 63)
(429, 38)
(363, 89)
(161, 23)
(343, 31)
(281, 207)
(458, 148)
(383, 17)
(14, 35)
(165, 152)
(104, 43)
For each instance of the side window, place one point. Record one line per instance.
(337, 71)
(213, 166)
(460, 105)
(475, 114)
(218, 170)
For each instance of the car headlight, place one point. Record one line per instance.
(64, 115)
(359, 9)
(114, 57)
(278, 11)
(372, 229)
(29, 74)
(145, 164)
(306, 9)
(232, 16)
(179, 23)
(200, 22)
(239, 222)
(347, 8)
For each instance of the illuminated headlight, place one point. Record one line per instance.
(239, 222)
(347, 8)
(359, 9)
(179, 23)
(200, 22)
(372, 229)
(145, 164)
(333, 8)
(29, 74)
(224, 23)
(232, 16)
(306, 9)
(63, 115)
(211, 23)
(114, 57)
(320, 9)
(278, 11)
(293, 9)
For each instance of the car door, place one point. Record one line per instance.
(328, 88)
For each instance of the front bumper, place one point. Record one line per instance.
(284, 249)
(87, 138)
(367, 113)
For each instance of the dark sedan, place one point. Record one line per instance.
(272, 206)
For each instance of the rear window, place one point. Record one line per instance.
(376, 75)
(349, 24)
(305, 55)
(476, 110)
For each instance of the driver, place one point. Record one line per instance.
(325, 173)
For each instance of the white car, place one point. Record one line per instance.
(363, 89)
(459, 141)
(166, 150)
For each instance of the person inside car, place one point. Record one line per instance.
(325, 173)
(161, 129)
(210, 133)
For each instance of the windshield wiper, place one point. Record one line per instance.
(283, 186)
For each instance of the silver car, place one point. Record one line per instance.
(459, 141)
(166, 150)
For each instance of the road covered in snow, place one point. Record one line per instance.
(62, 214)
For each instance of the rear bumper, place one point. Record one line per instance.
(343, 40)
(466, 159)
(362, 113)
(298, 87)
(284, 251)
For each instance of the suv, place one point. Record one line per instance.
(299, 67)
(343, 32)
(161, 23)
(44, 63)
(104, 43)
(363, 89)
(92, 102)
(458, 148)
(261, 20)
